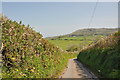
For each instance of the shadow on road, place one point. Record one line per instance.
(88, 74)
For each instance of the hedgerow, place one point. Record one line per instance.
(103, 56)
(26, 54)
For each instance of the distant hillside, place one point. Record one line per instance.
(89, 32)
(26, 54)
(103, 56)
(93, 31)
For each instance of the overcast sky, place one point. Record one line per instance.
(58, 18)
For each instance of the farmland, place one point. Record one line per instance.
(66, 42)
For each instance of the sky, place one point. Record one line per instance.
(59, 18)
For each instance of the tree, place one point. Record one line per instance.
(20, 22)
(28, 25)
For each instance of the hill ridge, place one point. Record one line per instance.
(88, 32)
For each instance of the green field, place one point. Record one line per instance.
(88, 38)
(66, 42)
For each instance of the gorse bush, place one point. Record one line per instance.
(27, 55)
(103, 56)
(73, 48)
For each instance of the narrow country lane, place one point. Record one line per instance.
(76, 70)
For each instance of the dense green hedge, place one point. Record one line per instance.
(105, 61)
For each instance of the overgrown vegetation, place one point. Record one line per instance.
(27, 55)
(103, 56)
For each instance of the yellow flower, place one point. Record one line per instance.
(13, 58)
(17, 70)
(32, 70)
